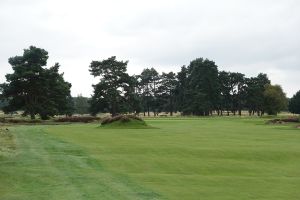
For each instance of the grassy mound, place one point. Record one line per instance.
(124, 121)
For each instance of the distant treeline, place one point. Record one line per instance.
(197, 89)
(81, 105)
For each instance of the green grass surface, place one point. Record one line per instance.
(206, 158)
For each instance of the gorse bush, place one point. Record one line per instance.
(120, 118)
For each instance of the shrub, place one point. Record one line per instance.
(284, 120)
(84, 119)
(2, 119)
(121, 118)
(18, 121)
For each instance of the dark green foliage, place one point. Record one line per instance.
(274, 99)
(57, 98)
(294, 104)
(225, 99)
(237, 91)
(181, 88)
(115, 87)
(132, 99)
(198, 89)
(35, 89)
(166, 92)
(3, 103)
(149, 80)
(202, 86)
(81, 105)
(255, 93)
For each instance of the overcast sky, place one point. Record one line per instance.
(248, 36)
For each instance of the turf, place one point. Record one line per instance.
(205, 158)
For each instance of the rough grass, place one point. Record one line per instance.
(82, 119)
(20, 121)
(284, 120)
(7, 143)
(204, 158)
(27, 121)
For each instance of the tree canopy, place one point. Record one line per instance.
(201, 93)
(115, 84)
(294, 104)
(274, 99)
(81, 104)
(197, 89)
(35, 89)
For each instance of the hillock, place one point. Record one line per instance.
(124, 121)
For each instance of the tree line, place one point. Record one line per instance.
(197, 89)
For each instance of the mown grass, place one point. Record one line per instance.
(191, 158)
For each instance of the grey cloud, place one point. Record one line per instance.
(239, 35)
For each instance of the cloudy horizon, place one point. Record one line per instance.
(240, 36)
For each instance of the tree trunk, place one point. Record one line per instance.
(113, 113)
(148, 111)
(32, 116)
